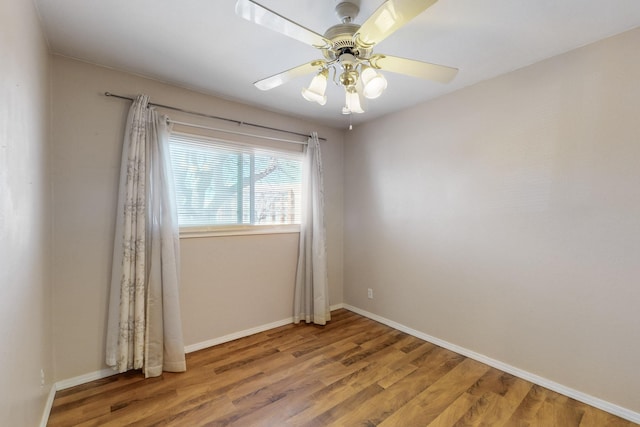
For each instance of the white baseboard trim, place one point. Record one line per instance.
(544, 382)
(245, 333)
(47, 406)
(86, 378)
(236, 335)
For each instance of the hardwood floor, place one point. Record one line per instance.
(352, 372)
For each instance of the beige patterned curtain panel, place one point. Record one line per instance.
(144, 328)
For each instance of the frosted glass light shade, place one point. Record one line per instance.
(352, 102)
(373, 83)
(315, 91)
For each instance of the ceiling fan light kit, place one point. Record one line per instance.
(347, 50)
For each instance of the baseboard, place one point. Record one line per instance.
(528, 376)
(236, 335)
(245, 333)
(47, 406)
(86, 378)
(336, 307)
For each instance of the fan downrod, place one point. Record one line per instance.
(347, 11)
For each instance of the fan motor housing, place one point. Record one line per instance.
(341, 36)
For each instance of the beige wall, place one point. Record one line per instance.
(25, 231)
(504, 218)
(229, 283)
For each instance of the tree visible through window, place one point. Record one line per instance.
(219, 183)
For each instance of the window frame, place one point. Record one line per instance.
(199, 231)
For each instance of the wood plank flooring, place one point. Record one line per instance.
(351, 372)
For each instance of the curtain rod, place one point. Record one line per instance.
(195, 113)
(233, 132)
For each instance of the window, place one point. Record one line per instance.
(221, 184)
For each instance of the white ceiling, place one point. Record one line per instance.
(203, 45)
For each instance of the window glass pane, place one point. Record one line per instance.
(218, 183)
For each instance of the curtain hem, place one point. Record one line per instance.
(312, 319)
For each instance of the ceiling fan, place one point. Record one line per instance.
(347, 49)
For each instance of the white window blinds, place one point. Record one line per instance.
(220, 183)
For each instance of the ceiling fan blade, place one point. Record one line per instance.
(254, 12)
(411, 67)
(285, 76)
(389, 17)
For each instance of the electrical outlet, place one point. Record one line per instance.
(370, 293)
(41, 376)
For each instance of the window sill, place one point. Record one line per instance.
(237, 230)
